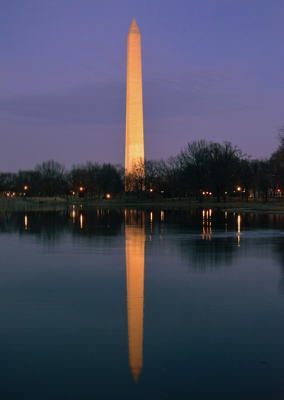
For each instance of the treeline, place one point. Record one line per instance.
(51, 179)
(200, 169)
(221, 170)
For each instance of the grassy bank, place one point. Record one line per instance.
(45, 204)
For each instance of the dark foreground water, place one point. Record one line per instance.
(115, 304)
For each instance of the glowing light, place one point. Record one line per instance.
(81, 189)
(239, 188)
(162, 215)
(151, 190)
(81, 221)
(26, 222)
(210, 212)
(108, 196)
(151, 216)
(25, 188)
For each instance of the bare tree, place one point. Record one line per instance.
(264, 177)
(8, 182)
(246, 177)
(28, 182)
(53, 179)
(109, 179)
(223, 167)
(135, 180)
(196, 158)
(280, 137)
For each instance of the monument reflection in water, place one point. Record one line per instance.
(135, 257)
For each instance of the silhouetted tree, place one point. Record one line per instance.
(281, 137)
(277, 163)
(255, 179)
(28, 182)
(246, 177)
(172, 175)
(8, 182)
(109, 179)
(223, 167)
(264, 177)
(53, 178)
(79, 179)
(135, 180)
(150, 175)
(196, 163)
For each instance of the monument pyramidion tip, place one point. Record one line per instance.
(134, 27)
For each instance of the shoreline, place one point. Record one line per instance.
(52, 204)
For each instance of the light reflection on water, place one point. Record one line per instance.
(135, 259)
(185, 304)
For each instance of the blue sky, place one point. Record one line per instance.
(212, 69)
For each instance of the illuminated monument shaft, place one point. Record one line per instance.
(135, 254)
(134, 132)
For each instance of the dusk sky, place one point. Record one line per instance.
(212, 69)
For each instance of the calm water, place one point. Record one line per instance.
(115, 304)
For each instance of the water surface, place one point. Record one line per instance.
(133, 304)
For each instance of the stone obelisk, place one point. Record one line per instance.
(134, 132)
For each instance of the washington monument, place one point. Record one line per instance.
(134, 132)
